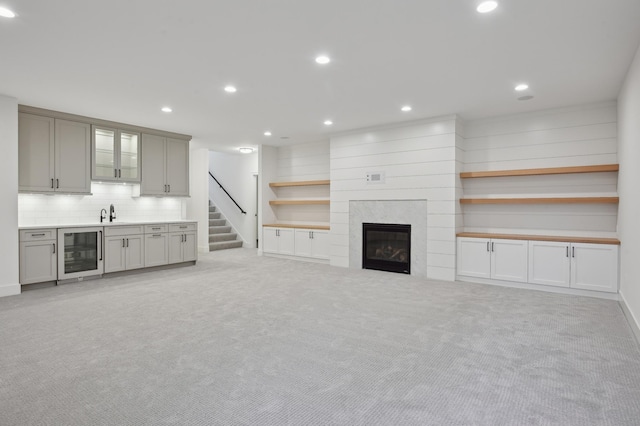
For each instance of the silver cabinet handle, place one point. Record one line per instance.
(567, 251)
(156, 235)
(127, 242)
(57, 183)
(37, 235)
(156, 229)
(183, 227)
(573, 252)
(123, 242)
(115, 173)
(119, 173)
(492, 246)
(51, 183)
(54, 248)
(169, 188)
(488, 246)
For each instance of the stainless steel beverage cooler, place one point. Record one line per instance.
(81, 252)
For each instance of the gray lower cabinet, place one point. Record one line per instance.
(54, 155)
(165, 166)
(38, 256)
(156, 245)
(123, 248)
(183, 243)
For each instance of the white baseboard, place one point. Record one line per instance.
(9, 289)
(633, 321)
(538, 287)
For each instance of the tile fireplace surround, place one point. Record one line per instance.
(402, 212)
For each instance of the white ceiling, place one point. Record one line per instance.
(123, 60)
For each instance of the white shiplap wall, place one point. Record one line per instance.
(419, 162)
(577, 136)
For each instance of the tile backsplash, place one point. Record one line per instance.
(39, 209)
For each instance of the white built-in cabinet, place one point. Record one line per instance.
(38, 256)
(165, 166)
(156, 245)
(116, 155)
(123, 248)
(312, 243)
(278, 241)
(183, 244)
(575, 265)
(497, 259)
(54, 155)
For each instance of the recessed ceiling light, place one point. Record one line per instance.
(406, 108)
(487, 6)
(230, 89)
(167, 109)
(328, 122)
(267, 133)
(6, 13)
(322, 59)
(521, 87)
(245, 150)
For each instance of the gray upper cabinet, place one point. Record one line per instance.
(116, 155)
(165, 166)
(54, 155)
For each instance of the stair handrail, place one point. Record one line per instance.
(225, 191)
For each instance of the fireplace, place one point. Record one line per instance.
(386, 247)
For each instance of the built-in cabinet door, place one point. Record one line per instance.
(129, 159)
(134, 251)
(509, 260)
(269, 240)
(286, 241)
(36, 153)
(105, 162)
(190, 246)
(73, 157)
(175, 248)
(474, 257)
(320, 241)
(549, 263)
(114, 254)
(177, 173)
(303, 242)
(38, 261)
(156, 249)
(594, 267)
(153, 165)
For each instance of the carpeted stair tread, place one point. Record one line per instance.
(223, 245)
(214, 238)
(219, 229)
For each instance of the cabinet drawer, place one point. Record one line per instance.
(182, 227)
(115, 231)
(154, 229)
(37, 234)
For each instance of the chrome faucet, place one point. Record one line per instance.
(112, 213)
(103, 215)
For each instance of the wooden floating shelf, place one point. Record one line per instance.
(299, 226)
(543, 171)
(559, 239)
(557, 200)
(299, 183)
(297, 202)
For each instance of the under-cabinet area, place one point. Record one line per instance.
(546, 261)
(74, 253)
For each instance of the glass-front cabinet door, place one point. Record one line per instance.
(116, 155)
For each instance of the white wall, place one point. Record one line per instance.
(9, 278)
(237, 173)
(39, 209)
(629, 177)
(585, 135)
(198, 202)
(419, 161)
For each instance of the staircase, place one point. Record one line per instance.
(221, 234)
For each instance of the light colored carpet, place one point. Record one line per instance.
(240, 339)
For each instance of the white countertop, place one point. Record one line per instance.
(105, 224)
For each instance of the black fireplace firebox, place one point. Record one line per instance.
(386, 247)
